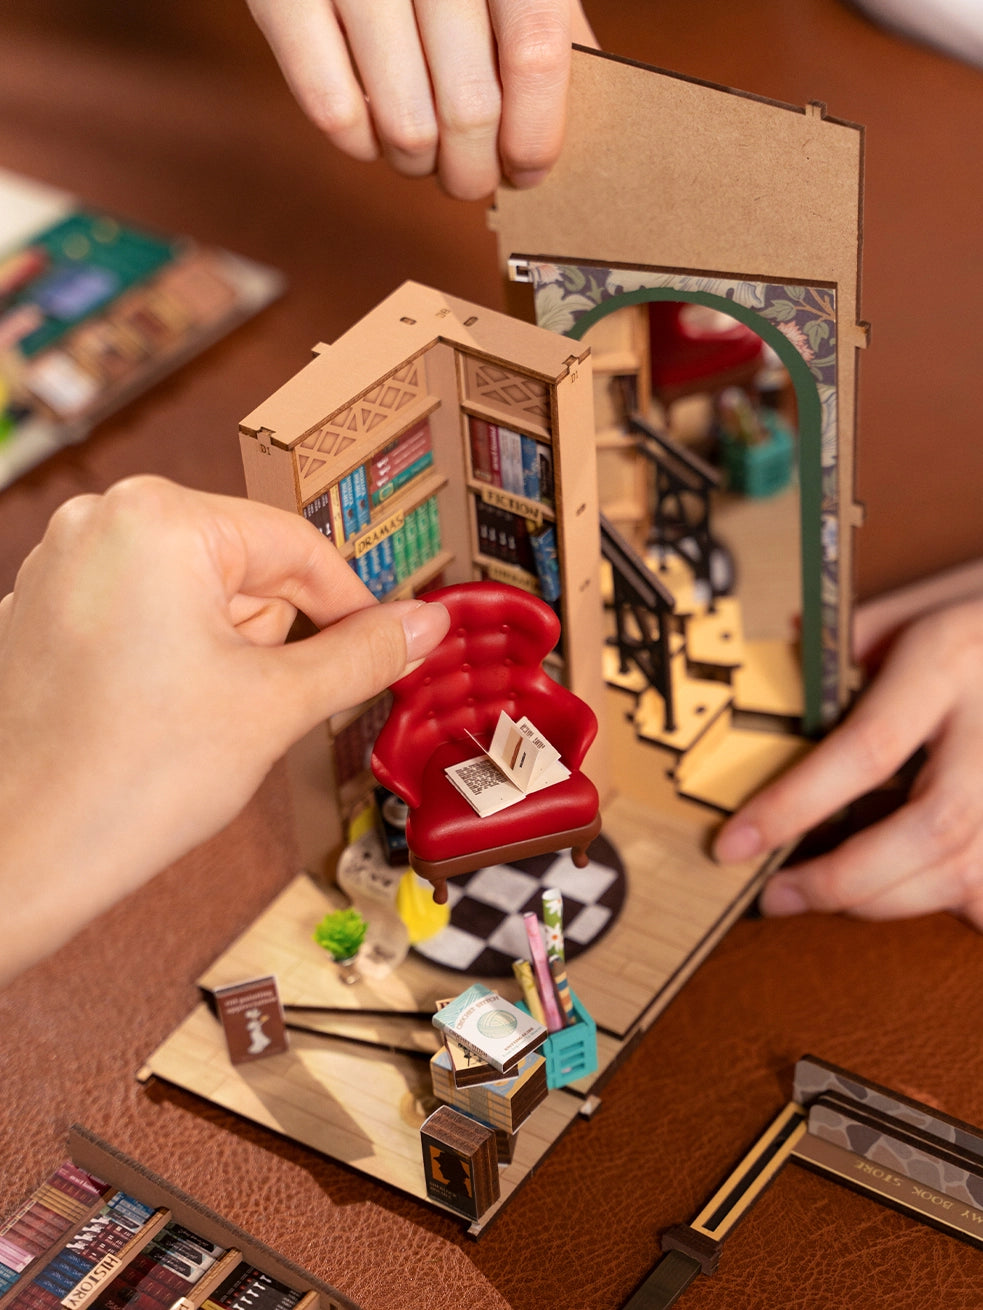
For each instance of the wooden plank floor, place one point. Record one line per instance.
(364, 1106)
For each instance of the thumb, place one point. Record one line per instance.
(352, 660)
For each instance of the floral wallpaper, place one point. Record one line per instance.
(806, 317)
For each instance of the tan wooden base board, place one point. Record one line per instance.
(364, 1106)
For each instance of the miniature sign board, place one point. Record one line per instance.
(252, 1019)
(857, 1132)
(518, 762)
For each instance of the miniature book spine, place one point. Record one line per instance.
(349, 517)
(92, 1255)
(248, 1288)
(60, 1205)
(360, 486)
(544, 979)
(547, 566)
(318, 512)
(530, 468)
(478, 432)
(105, 1269)
(510, 447)
(433, 516)
(178, 1268)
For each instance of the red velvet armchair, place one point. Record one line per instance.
(489, 661)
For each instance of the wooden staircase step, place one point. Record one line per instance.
(676, 573)
(741, 763)
(770, 679)
(706, 745)
(697, 703)
(716, 638)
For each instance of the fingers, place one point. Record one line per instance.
(309, 44)
(386, 49)
(460, 52)
(901, 710)
(534, 44)
(927, 856)
(265, 555)
(469, 89)
(351, 661)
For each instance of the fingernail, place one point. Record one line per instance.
(424, 625)
(737, 842)
(780, 899)
(523, 180)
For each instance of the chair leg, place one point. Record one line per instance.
(580, 857)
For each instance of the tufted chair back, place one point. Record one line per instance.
(489, 661)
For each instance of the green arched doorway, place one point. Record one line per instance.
(799, 324)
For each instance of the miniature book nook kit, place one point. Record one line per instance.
(554, 471)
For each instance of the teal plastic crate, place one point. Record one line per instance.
(571, 1053)
(763, 469)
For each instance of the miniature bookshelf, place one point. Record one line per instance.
(426, 444)
(245, 1270)
(619, 353)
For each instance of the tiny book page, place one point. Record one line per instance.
(519, 761)
(520, 752)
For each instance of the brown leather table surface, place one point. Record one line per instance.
(175, 115)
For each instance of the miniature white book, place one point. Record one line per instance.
(519, 761)
(494, 1029)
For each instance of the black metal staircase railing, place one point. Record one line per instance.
(681, 501)
(643, 608)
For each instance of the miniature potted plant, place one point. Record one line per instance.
(341, 934)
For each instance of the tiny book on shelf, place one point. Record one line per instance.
(495, 1029)
(519, 761)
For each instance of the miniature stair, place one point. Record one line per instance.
(769, 681)
(676, 573)
(715, 640)
(698, 704)
(741, 763)
(718, 762)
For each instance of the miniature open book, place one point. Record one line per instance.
(518, 761)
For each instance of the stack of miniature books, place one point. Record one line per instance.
(490, 1078)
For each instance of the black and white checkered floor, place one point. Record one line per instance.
(486, 931)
